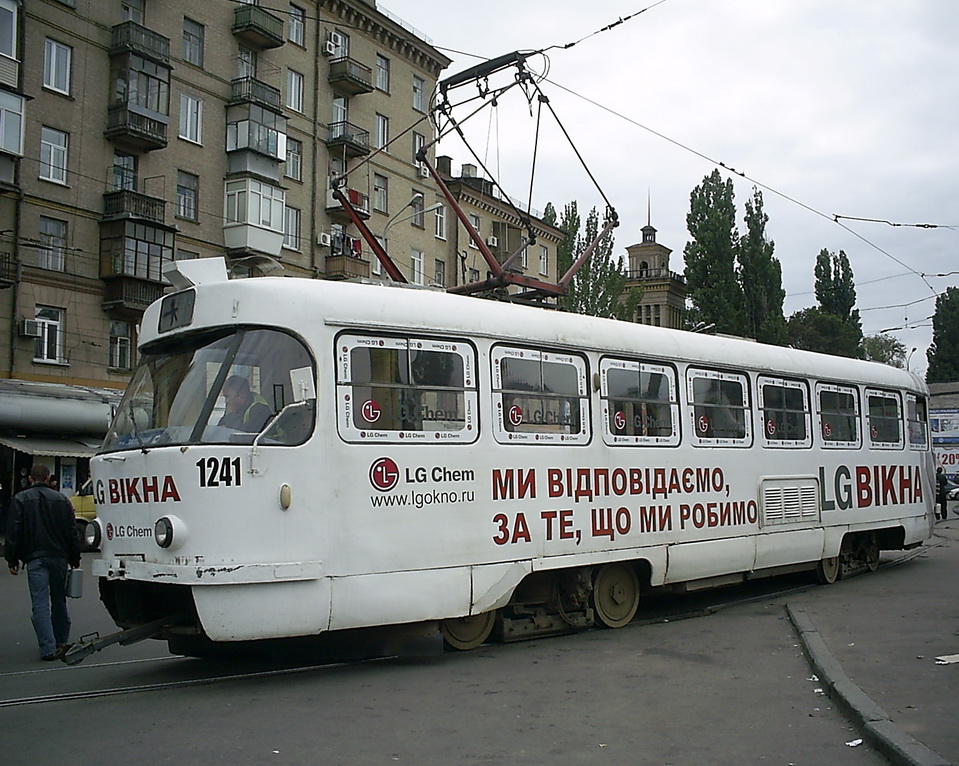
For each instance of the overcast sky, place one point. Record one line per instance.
(833, 107)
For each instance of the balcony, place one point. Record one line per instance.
(250, 90)
(125, 203)
(350, 78)
(8, 270)
(127, 297)
(352, 139)
(130, 37)
(258, 28)
(347, 267)
(655, 275)
(359, 201)
(133, 131)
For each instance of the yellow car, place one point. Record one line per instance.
(84, 509)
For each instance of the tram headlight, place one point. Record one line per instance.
(92, 534)
(169, 532)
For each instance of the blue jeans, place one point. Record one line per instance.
(47, 578)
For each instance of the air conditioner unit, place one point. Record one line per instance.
(30, 328)
(329, 48)
(422, 172)
(492, 242)
(324, 240)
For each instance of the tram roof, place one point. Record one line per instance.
(302, 303)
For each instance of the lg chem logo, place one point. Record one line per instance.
(384, 474)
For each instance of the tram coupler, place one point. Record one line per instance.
(94, 643)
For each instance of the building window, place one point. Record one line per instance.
(121, 343)
(341, 44)
(257, 129)
(440, 222)
(187, 193)
(296, 28)
(416, 266)
(416, 205)
(475, 223)
(135, 249)
(524, 258)
(381, 191)
(53, 155)
(140, 82)
(543, 260)
(419, 93)
(245, 63)
(375, 266)
(291, 229)
(124, 171)
(193, 33)
(11, 123)
(294, 159)
(474, 275)
(439, 273)
(132, 10)
(191, 119)
(56, 66)
(249, 201)
(49, 346)
(382, 131)
(186, 255)
(8, 28)
(419, 140)
(294, 90)
(382, 73)
(53, 244)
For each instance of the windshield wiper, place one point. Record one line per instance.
(136, 433)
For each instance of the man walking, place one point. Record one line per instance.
(42, 533)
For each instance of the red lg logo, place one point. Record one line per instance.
(384, 474)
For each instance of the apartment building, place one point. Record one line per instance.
(136, 132)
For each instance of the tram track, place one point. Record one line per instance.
(732, 599)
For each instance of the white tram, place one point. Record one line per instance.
(492, 468)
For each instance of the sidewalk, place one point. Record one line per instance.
(875, 649)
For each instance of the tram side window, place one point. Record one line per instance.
(639, 403)
(917, 419)
(838, 415)
(405, 389)
(784, 405)
(539, 397)
(885, 419)
(720, 408)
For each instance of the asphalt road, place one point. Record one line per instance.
(732, 687)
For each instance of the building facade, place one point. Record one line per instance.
(136, 132)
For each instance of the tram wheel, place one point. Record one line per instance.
(615, 594)
(828, 570)
(465, 633)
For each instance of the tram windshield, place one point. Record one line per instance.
(226, 386)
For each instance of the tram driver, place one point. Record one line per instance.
(245, 410)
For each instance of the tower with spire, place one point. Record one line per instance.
(664, 291)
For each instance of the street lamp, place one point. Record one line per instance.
(909, 357)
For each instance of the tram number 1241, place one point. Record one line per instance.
(216, 472)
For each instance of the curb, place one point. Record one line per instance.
(894, 743)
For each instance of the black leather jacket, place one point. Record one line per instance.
(41, 523)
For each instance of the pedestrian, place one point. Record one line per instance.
(42, 534)
(942, 492)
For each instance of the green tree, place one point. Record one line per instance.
(597, 287)
(835, 287)
(814, 329)
(943, 354)
(714, 290)
(760, 277)
(885, 349)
